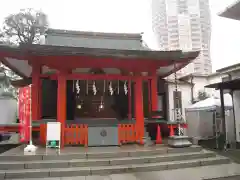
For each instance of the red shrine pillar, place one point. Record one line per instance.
(139, 115)
(35, 91)
(149, 97)
(61, 103)
(154, 93)
(40, 100)
(129, 100)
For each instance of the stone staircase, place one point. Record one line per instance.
(237, 177)
(102, 163)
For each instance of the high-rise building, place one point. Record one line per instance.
(185, 25)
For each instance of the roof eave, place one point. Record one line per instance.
(229, 68)
(231, 84)
(231, 11)
(23, 51)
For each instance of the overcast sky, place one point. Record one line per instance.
(129, 16)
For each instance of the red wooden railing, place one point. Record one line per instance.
(128, 133)
(76, 134)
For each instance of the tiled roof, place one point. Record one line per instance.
(96, 34)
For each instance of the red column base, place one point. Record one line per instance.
(171, 130)
(174, 126)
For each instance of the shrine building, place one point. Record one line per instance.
(94, 81)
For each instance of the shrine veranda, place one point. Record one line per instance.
(94, 112)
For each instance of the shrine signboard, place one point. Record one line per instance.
(24, 109)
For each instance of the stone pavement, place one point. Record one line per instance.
(198, 173)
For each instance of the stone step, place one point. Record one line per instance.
(234, 177)
(93, 155)
(105, 161)
(115, 169)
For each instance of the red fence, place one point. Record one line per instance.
(76, 134)
(128, 133)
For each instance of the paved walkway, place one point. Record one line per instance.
(199, 173)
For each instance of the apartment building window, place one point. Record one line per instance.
(175, 36)
(195, 39)
(197, 69)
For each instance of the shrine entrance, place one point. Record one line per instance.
(94, 99)
(103, 102)
(100, 99)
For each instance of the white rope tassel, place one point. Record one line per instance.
(178, 114)
(77, 87)
(110, 88)
(94, 88)
(125, 88)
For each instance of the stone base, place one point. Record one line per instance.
(179, 141)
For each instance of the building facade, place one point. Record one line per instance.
(184, 24)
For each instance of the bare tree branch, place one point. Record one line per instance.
(25, 26)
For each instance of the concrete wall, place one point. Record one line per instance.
(8, 110)
(201, 81)
(199, 85)
(236, 105)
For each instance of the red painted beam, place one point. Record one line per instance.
(66, 63)
(94, 77)
(98, 77)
